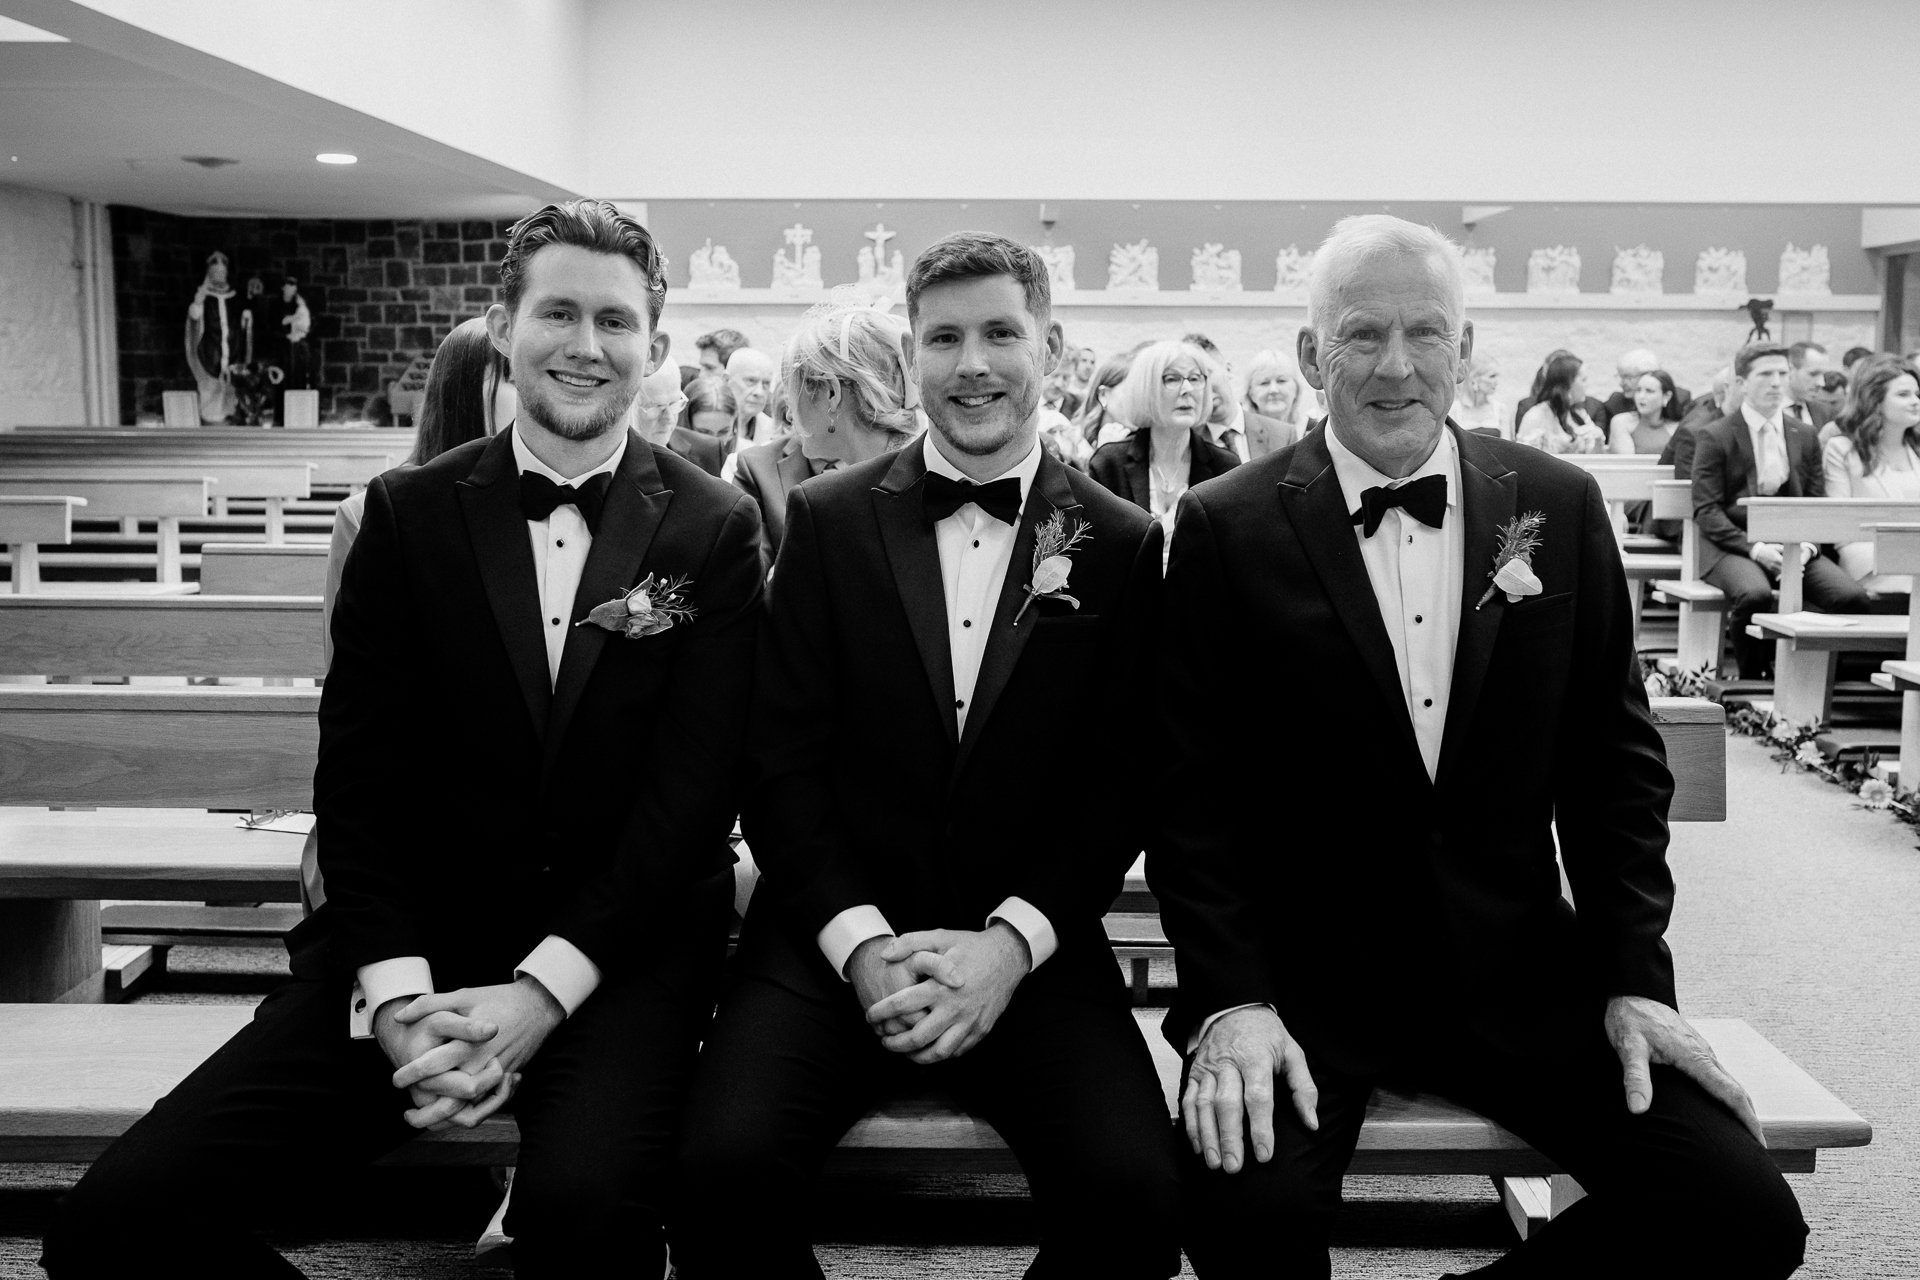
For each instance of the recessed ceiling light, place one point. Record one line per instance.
(336, 157)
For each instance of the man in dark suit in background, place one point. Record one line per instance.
(943, 742)
(1230, 424)
(509, 794)
(1760, 450)
(1426, 944)
(767, 473)
(1806, 398)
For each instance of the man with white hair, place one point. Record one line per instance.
(750, 375)
(1455, 614)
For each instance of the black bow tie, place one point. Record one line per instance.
(944, 495)
(539, 496)
(1424, 499)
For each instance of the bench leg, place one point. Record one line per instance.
(26, 568)
(1700, 637)
(130, 527)
(50, 952)
(1803, 683)
(169, 548)
(276, 522)
(1909, 743)
(1137, 968)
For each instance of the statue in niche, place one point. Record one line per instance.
(1292, 269)
(877, 275)
(712, 267)
(1216, 269)
(213, 347)
(1477, 266)
(1720, 271)
(802, 270)
(1133, 266)
(1638, 270)
(1805, 270)
(1059, 260)
(1555, 270)
(291, 359)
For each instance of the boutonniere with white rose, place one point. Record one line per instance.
(653, 606)
(1053, 545)
(1513, 561)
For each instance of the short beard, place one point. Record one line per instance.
(535, 404)
(985, 446)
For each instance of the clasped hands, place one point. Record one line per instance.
(934, 994)
(1230, 1089)
(1770, 556)
(459, 1054)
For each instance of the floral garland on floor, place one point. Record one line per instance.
(1791, 744)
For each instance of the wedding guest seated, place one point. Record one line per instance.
(717, 348)
(1649, 425)
(1723, 398)
(1560, 420)
(1854, 356)
(1166, 396)
(1760, 451)
(709, 414)
(1876, 455)
(1476, 406)
(657, 409)
(1806, 362)
(1539, 378)
(1078, 366)
(1274, 389)
(1829, 397)
(1234, 427)
(1631, 365)
(1097, 424)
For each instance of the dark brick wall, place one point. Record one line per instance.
(381, 293)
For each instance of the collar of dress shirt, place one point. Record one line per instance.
(524, 459)
(1756, 420)
(1024, 470)
(1357, 475)
(1217, 432)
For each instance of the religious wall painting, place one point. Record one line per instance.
(1216, 269)
(1555, 270)
(1638, 271)
(1292, 268)
(1134, 267)
(1720, 271)
(1805, 270)
(799, 269)
(1476, 268)
(712, 268)
(1059, 264)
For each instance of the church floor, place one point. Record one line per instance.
(1796, 914)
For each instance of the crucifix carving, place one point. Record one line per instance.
(880, 235)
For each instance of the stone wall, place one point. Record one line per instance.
(41, 382)
(381, 294)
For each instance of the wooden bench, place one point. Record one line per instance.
(1624, 479)
(342, 458)
(125, 495)
(253, 569)
(199, 635)
(73, 1078)
(1703, 606)
(274, 483)
(1896, 549)
(25, 523)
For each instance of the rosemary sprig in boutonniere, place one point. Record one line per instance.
(650, 608)
(1053, 547)
(1513, 562)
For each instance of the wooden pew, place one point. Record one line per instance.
(1624, 479)
(1808, 645)
(123, 495)
(1896, 549)
(253, 569)
(25, 523)
(199, 635)
(273, 482)
(1703, 606)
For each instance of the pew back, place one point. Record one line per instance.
(259, 569)
(112, 494)
(203, 635)
(36, 519)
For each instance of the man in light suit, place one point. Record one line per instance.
(1428, 947)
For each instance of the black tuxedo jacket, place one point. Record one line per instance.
(468, 805)
(1123, 465)
(1355, 895)
(1725, 472)
(767, 473)
(868, 792)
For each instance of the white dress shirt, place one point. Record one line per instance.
(1236, 429)
(560, 544)
(1769, 440)
(975, 553)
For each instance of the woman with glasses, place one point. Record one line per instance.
(1166, 398)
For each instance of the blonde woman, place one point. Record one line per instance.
(1274, 391)
(1167, 397)
(1476, 404)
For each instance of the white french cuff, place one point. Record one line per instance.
(563, 969)
(1030, 923)
(847, 931)
(1193, 1041)
(383, 980)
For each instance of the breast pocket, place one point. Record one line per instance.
(1539, 614)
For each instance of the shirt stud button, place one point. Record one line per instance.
(959, 702)
(559, 542)
(1427, 703)
(1418, 618)
(976, 542)
(556, 622)
(967, 622)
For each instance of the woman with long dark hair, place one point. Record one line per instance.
(1647, 426)
(1559, 422)
(1876, 454)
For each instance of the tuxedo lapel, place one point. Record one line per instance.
(490, 502)
(1050, 493)
(636, 502)
(1311, 497)
(1487, 501)
(914, 557)
(1741, 456)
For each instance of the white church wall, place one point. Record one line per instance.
(41, 379)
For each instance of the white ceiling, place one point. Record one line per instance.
(94, 125)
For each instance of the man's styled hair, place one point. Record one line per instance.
(1743, 359)
(1797, 353)
(722, 342)
(1365, 236)
(1203, 342)
(585, 224)
(1854, 356)
(976, 255)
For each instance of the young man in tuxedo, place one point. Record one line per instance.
(945, 809)
(1446, 730)
(522, 819)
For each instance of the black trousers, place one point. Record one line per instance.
(292, 1103)
(1682, 1190)
(1749, 589)
(1064, 1076)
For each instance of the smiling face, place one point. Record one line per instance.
(580, 341)
(1901, 409)
(1649, 398)
(1388, 356)
(1766, 385)
(980, 358)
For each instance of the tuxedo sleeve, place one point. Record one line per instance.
(687, 784)
(1198, 860)
(1611, 786)
(807, 869)
(1710, 486)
